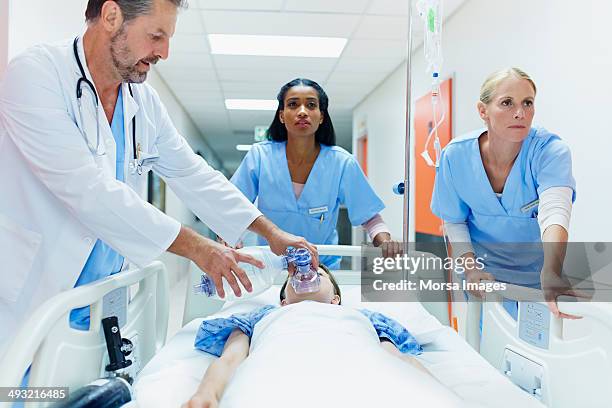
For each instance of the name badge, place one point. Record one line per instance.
(317, 210)
(530, 206)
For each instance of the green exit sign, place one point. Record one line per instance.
(261, 133)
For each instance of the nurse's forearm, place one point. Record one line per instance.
(555, 243)
(264, 227)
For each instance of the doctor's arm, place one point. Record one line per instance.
(220, 371)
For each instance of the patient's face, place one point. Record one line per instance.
(324, 295)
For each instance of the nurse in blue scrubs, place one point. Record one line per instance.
(300, 178)
(506, 189)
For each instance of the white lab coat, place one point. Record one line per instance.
(56, 198)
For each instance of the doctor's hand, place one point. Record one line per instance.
(216, 260)
(553, 286)
(220, 262)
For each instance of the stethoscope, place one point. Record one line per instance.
(136, 166)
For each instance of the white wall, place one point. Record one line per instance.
(36, 21)
(563, 45)
(383, 113)
(4, 33)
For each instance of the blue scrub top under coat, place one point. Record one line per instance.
(335, 179)
(463, 193)
(103, 260)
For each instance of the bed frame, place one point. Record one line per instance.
(62, 356)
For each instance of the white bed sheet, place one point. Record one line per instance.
(174, 373)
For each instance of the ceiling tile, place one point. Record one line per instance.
(187, 60)
(194, 75)
(251, 89)
(190, 43)
(272, 5)
(326, 6)
(389, 7)
(375, 49)
(273, 77)
(189, 22)
(383, 28)
(364, 64)
(265, 23)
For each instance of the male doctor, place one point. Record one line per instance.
(74, 163)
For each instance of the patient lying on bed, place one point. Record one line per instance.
(313, 352)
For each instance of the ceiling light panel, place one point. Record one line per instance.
(251, 104)
(223, 62)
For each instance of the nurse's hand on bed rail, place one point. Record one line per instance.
(554, 286)
(389, 247)
(475, 276)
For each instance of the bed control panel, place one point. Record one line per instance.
(524, 372)
(534, 324)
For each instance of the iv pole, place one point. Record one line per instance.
(408, 132)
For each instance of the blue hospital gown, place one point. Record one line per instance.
(213, 333)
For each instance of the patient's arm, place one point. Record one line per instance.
(220, 371)
(408, 358)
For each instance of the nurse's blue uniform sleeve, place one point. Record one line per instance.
(357, 194)
(445, 201)
(213, 333)
(553, 166)
(246, 178)
(389, 329)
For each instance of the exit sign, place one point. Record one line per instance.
(261, 133)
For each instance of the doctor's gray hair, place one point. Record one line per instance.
(129, 8)
(490, 84)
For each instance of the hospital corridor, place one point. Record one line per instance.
(283, 203)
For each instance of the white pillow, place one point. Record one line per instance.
(412, 315)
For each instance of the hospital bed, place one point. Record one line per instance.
(173, 374)
(167, 376)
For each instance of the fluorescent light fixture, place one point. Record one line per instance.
(276, 46)
(251, 104)
(243, 148)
